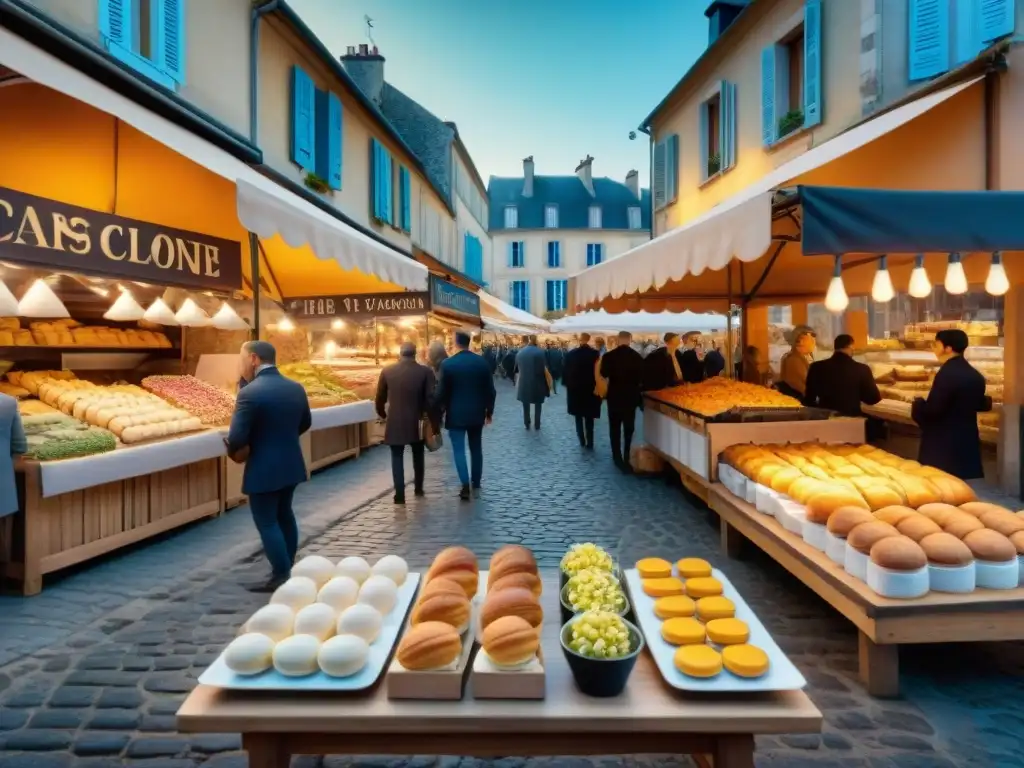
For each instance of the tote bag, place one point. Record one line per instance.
(601, 389)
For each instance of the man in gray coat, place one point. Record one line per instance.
(12, 433)
(534, 382)
(403, 398)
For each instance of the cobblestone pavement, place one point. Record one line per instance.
(92, 671)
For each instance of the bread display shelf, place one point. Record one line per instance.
(742, 414)
(883, 623)
(899, 413)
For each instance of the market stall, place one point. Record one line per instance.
(645, 323)
(496, 313)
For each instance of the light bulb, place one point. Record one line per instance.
(286, 325)
(881, 287)
(337, 324)
(997, 283)
(956, 279)
(159, 313)
(836, 299)
(125, 309)
(920, 286)
(191, 315)
(330, 349)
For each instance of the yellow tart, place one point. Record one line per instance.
(728, 631)
(672, 606)
(654, 568)
(683, 631)
(745, 660)
(715, 607)
(703, 586)
(698, 661)
(663, 587)
(693, 567)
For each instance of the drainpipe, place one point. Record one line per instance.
(650, 175)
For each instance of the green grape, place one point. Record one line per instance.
(586, 556)
(593, 590)
(600, 635)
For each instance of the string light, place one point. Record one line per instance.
(997, 283)
(881, 288)
(836, 299)
(920, 286)
(286, 325)
(956, 278)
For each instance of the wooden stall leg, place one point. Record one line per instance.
(732, 540)
(734, 750)
(879, 667)
(266, 750)
(32, 549)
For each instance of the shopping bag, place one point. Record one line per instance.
(431, 439)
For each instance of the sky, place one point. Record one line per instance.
(556, 79)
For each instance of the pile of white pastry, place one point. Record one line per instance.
(324, 618)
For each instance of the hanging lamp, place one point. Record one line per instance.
(997, 283)
(836, 299)
(226, 319)
(920, 286)
(191, 316)
(881, 287)
(956, 279)
(160, 314)
(40, 301)
(125, 310)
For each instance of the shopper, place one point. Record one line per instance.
(623, 369)
(948, 417)
(556, 364)
(436, 354)
(403, 398)
(714, 363)
(508, 364)
(580, 381)
(795, 363)
(750, 367)
(534, 382)
(691, 359)
(663, 367)
(271, 413)
(465, 394)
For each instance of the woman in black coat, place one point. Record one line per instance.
(580, 380)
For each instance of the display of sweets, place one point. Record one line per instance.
(717, 395)
(587, 556)
(600, 635)
(594, 590)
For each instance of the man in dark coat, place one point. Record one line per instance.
(662, 367)
(948, 418)
(623, 368)
(532, 387)
(465, 394)
(403, 399)
(580, 382)
(690, 359)
(714, 363)
(508, 364)
(556, 365)
(271, 413)
(841, 384)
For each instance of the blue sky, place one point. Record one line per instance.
(556, 79)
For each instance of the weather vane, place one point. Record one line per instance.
(369, 29)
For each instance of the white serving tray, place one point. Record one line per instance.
(782, 675)
(219, 676)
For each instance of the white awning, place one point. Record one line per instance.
(640, 322)
(513, 329)
(263, 207)
(737, 228)
(504, 310)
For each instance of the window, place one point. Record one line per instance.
(666, 171)
(404, 199)
(594, 218)
(519, 294)
(517, 254)
(328, 131)
(557, 293)
(791, 96)
(635, 221)
(974, 24)
(554, 254)
(595, 252)
(148, 36)
(511, 217)
(551, 216)
(316, 130)
(718, 132)
(382, 183)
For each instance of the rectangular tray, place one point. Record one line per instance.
(782, 675)
(219, 676)
(486, 682)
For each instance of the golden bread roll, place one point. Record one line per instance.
(946, 549)
(693, 567)
(530, 581)
(452, 609)
(442, 585)
(784, 478)
(816, 472)
(978, 508)
(1005, 523)
(848, 470)
(431, 645)
(453, 559)
(1017, 539)
(864, 536)
(892, 515)
(654, 568)
(801, 490)
(767, 472)
(939, 512)
(918, 490)
(953, 490)
(510, 641)
(822, 505)
(511, 558)
(511, 602)
(916, 527)
(843, 520)
(662, 587)
(898, 553)
(990, 546)
(674, 606)
(961, 524)
(879, 496)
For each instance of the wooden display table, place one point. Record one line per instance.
(884, 624)
(649, 717)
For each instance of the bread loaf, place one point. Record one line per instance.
(822, 505)
(431, 645)
(990, 546)
(784, 478)
(953, 490)
(844, 519)
(898, 553)
(1005, 523)
(511, 602)
(938, 512)
(946, 549)
(916, 527)
(894, 514)
(864, 536)
(961, 524)
(511, 559)
(977, 508)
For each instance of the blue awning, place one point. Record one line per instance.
(839, 220)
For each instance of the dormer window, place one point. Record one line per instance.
(511, 217)
(551, 216)
(634, 217)
(594, 219)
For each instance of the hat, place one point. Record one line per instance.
(801, 330)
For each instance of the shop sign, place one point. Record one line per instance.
(47, 233)
(447, 297)
(360, 304)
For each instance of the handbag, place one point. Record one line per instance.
(433, 440)
(601, 387)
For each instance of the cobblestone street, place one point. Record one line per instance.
(93, 669)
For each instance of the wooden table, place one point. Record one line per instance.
(883, 623)
(649, 717)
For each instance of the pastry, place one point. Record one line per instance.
(1005, 523)
(511, 602)
(673, 606)
(296, 656)
(361, 620)
(693, 567)
(343, 655)
(654, 568)
(522, 580)
(354, 567)
(916, 527)
(990, 546)
(961, 523)
(682, 630)
(315, 567)
(698, 661)
(953, 490)
(663, 587)
(459, 565)
(727, 631)
(1017, 539)
(715, 607)
(250, 654)
(843, 520)
(938, 512)
(318, 620)
(745, 660)
(275, 621)
(946, 549)
(339, 593)
(703, 586)
(893, 514)
(393, 567)
(821, 505)
(510, 642)
(296, 593)
(380, 592)
(511, 558)
(442, 606)
(864, 536)
(898, 553)
(784, 478)
(977, 508)
(432, 645)
(441, 585)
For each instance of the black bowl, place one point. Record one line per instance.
(601, 677)
(568, 612)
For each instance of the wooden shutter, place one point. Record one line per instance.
(812, 64)
(115, 22)
(388, 177)
(996, 19)
(928, 46)
(335, 132)
(769, 118)
(405, 193)
(551, 295)
(672, 168)
(702, 136)
(727, 119)
(511, 254)
(169, 39)
(303, 120)
(966, 31)
(660, 166)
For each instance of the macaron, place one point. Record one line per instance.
(673, 606)
(698, 661)
(693, 567)
(715, 607)
(703, 586)
(654, 568)
(728, 631)
(745, 660)
(663, 587)
(683, 630)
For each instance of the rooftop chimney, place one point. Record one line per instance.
(366, 67)
(528, 176)
(720, 14)
(584, 175)
(633, 182)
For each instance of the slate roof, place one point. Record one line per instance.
(572, 199)
(426, 134)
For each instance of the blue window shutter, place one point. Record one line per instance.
(511, 263)
(703, 135)
(997, 19)
(812, 64)
(672, 170)
(769, 121)
(115, 22)
(168, 38)
(550, 287)
(303, 120)
(928, 46)
(389, 188)
(526, 291)
(406, 198)
(967, 31)
(375, 177)
(658, 172)
(729, 122)
(334, 128)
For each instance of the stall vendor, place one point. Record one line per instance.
(797, 362)
(842, 384)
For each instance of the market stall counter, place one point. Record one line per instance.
(649, 717)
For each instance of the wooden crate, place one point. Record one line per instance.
(324, 447)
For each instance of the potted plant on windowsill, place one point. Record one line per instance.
(790, 122)
(316, 183)
(714, 164)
